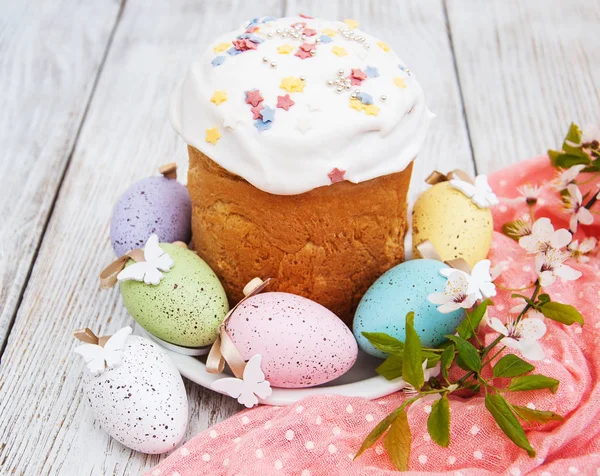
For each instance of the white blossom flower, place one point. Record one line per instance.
(567, 177)
(519, 228)
(522, 336)
(497, 270)
(543, 237)
(480, 193)
(550, 265)
(530, 193)
(480, 280)
(456, 294)
(578, 251)
(574, 205)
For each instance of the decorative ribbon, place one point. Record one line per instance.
(86, 335)
(428, 251)
(169, 170)
(224, 350)
(437, 177)
(108, 276)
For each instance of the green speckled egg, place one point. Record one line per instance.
(186, 307)
(453, 223)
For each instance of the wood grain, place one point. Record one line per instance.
(46, 427)
(527, 69)
(50, 56)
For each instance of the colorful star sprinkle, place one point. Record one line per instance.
(357, 76)
(285, 49)
(352, 24)
(233, 52)
(329, 32)
(221, 47)
(285, 102)
(303, 124)
(365, 98)
(372, 72)
(367, 108)
(371, 110)
(244, 44)
(306, 50)
(262, 126)
(339, 51)
(357, 104)
(399, 82)
(309, 32)
(325, 39)
(384, 46)
(292, 84)
(336, 175)
(212, 135)
(302, 15)
(256, 111)
(217, 61)
(219, 97)
(253, 97)
(268, 114)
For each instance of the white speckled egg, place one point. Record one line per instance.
(302, 343)
(141, 403)
(403, 289)
(453, 223)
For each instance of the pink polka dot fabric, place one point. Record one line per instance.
(320, 435)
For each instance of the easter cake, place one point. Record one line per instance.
(301, 134)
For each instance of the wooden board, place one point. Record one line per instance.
(46, 427)
(527, 69)
(51, 55)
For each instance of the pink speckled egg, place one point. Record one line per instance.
(302, 343)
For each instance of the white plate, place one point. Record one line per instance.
(360, 381)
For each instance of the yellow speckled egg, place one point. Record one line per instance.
(453, 223)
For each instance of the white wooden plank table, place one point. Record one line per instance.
(83, 114)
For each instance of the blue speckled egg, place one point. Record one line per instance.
(153, 205)
(402, 289)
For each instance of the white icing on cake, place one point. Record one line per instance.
(319, 136)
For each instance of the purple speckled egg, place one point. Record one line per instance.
(153, 205)
(302, 343)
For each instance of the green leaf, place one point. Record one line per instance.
(573, 134)
(447, 359)
(554, 154)
(467, 352)
(511, 366)
(469, 325)
(391, 367)
(376, 432)
(438, 423)
(507, 422)
(533, 382)
(397, 442)
(385, 343)
(412, 371)
(544, 299)
(537, 416)
(566, 161)
(432, 357)
(563, 313)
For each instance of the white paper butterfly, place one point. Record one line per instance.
(148, 271)
(480, 193)
(111, 355)
(246, 390)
